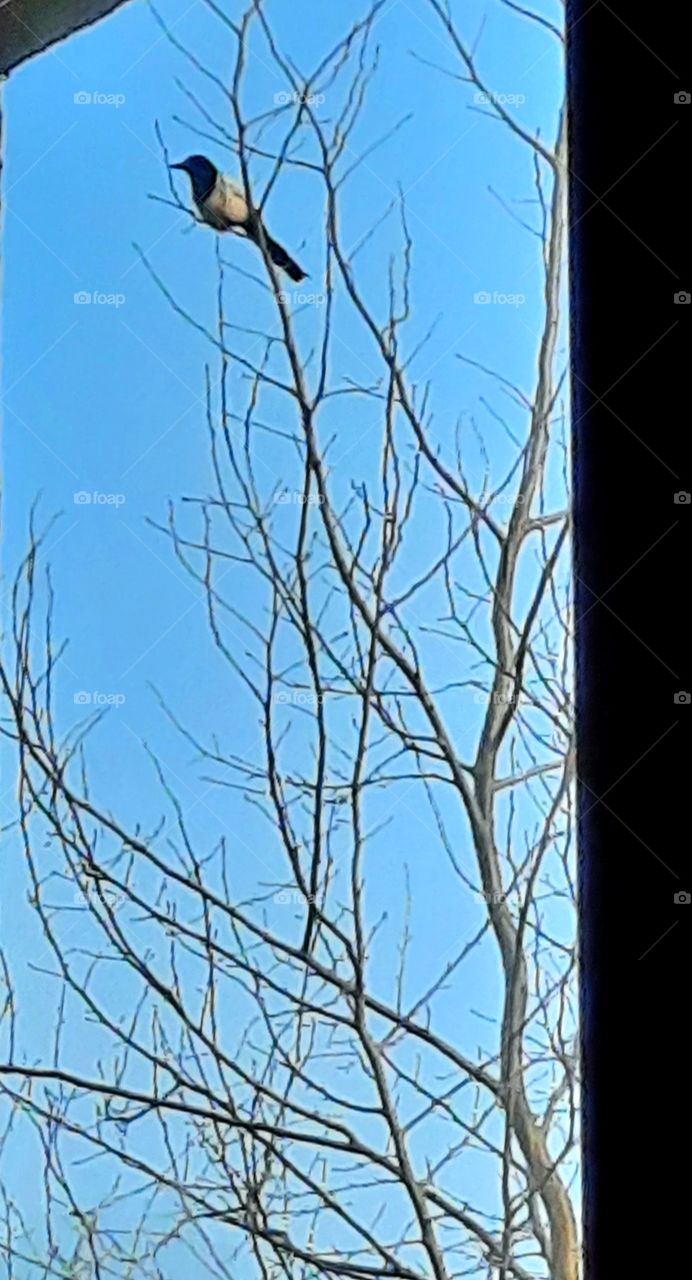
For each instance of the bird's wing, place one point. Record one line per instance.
(226, 205)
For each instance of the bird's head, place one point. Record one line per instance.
(201, 172)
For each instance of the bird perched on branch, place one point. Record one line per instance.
(221, 203)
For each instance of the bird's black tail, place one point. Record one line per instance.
(282, 259)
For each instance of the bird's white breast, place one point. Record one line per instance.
(225, 207)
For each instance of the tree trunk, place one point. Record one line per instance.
(28, 27)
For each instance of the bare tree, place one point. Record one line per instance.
(270, 1100)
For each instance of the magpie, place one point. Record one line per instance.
(222, 204)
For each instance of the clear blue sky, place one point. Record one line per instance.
(108, 399)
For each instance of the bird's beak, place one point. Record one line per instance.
(176, 166)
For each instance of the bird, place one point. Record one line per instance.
(222, 205)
